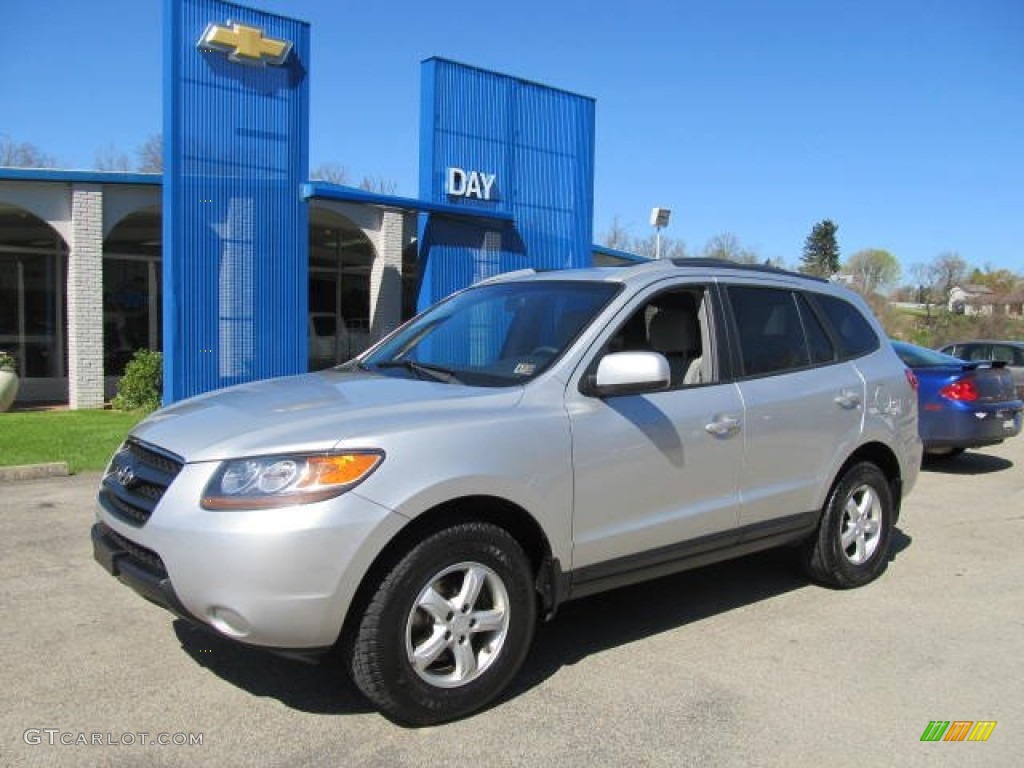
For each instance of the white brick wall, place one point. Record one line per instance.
(386, 276)
(85, 298)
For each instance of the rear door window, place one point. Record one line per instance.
(771, 336)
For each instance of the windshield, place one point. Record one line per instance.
(497, 335)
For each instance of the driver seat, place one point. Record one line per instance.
(675, 333)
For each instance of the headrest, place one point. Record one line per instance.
(674, 331)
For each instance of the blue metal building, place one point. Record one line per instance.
(251, 279)
(510, 146)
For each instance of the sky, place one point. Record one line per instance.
(900, 120)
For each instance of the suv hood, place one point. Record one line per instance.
(310, 412)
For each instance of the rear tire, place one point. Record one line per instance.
(448, 627)
(943, 454)
(851, 547)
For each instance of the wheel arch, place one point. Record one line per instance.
(883, 457)
(520, 524)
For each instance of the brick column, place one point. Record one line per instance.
(386, 276)
(85, 298)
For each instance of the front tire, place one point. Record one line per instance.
(448, 627)
(851, 547)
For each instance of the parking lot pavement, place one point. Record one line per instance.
(739, 664)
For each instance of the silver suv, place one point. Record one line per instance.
(530, 440)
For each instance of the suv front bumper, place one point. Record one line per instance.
(282, 579)
(128, 564)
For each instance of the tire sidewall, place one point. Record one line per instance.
(845, 573)
(484, 544)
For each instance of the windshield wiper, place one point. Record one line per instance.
(423, 370)
(349, 365)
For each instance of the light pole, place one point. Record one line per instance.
(659, 220)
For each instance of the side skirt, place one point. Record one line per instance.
(687, 555)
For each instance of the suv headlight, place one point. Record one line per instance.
(263, 482)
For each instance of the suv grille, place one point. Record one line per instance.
(136, 480)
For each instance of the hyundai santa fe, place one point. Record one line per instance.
(530, 440)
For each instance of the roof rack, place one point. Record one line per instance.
(726, 264)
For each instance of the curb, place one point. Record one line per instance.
(34, 471)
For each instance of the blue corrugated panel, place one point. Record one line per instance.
(236, 245)
(537, 141)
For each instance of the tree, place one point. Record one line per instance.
(15, 154)
(378, 184)
(921, 274)
(873, 269)
(821, 251)
(728, 246)
(617, 236)
(109, 158)
(332, 173)
(946, 270)
(671, 248)
(151, 155)
(999, 280)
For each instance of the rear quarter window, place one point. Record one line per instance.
(820, 345)
(855, 335)
(1006, 353)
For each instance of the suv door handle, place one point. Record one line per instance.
(848, 399)
(723, 426)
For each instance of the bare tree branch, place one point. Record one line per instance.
(23, 155)
(378, 184)
(109, 158)
(151, 154)
(332, 173)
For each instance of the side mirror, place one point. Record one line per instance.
(629, 373)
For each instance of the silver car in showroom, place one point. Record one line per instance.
(533, 439)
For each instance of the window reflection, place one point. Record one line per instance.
(32, 310)
(340, 261)
(132, 289)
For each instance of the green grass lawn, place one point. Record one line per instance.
(84, 439)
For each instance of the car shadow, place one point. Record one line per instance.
(900, 541)
(970, 463)
(582, 628)
(611, 619)
(321, 688)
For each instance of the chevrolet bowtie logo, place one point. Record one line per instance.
(244, 44)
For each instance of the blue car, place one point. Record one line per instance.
(961, 404)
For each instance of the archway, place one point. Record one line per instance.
(33, 301)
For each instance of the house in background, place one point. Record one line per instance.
(970, 299)
(974, 299)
